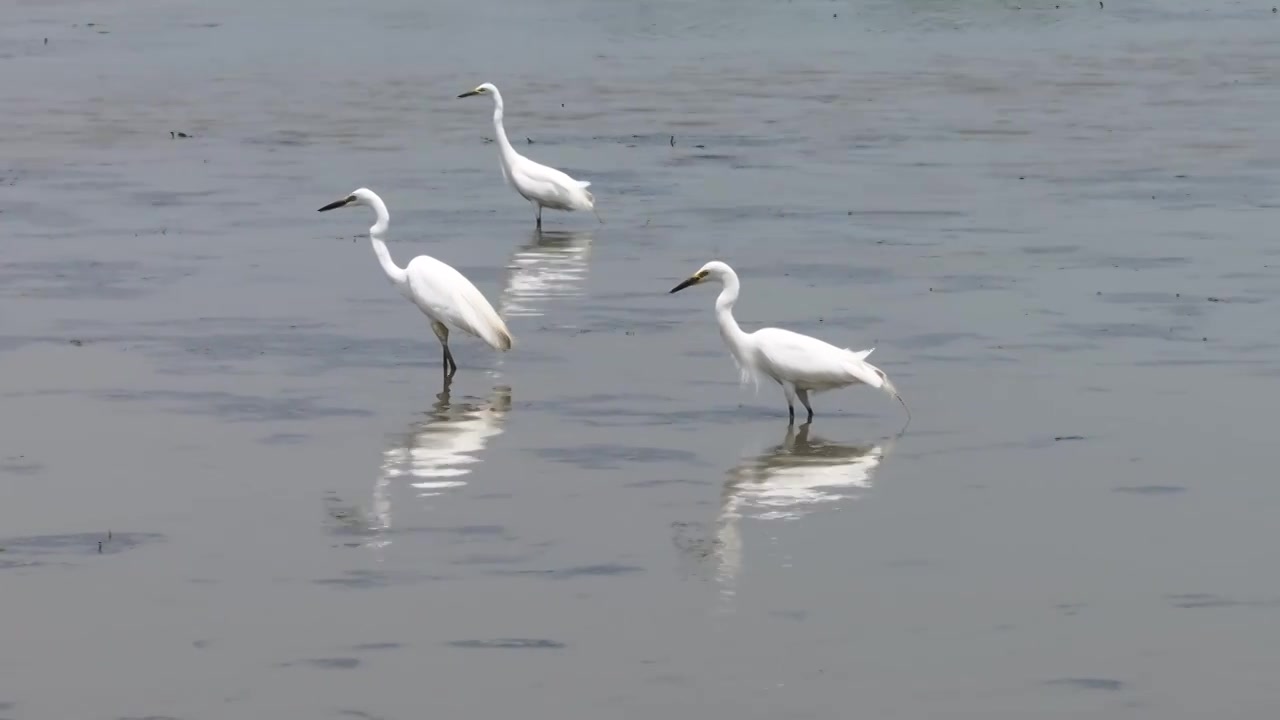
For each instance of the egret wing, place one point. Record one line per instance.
(811, 363)
(549, 186)
(447, 295)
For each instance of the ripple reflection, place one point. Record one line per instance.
(552, 265)
(801, 475)
(436, 454)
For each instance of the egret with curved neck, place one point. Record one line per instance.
(442, 293)
(799, 363)
(545, 187)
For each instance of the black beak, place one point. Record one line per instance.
(691, 281)
(468, 93)
(336, 204)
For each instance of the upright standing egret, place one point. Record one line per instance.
(541, 185)
(798, 363)
(439, 291)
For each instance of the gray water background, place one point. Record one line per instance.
(1056, 223)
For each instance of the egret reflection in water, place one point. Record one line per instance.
(438, 452)
(552, 265)
(801, 475)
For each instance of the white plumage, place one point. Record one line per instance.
(442, 293)
(446, 296)
(545, 187)
(786, 354)
(799, 363)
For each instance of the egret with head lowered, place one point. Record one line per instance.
(799, 363)
(545, 187)
(443, 294)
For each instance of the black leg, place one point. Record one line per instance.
(442, 332)
(450, 363)
(791, 411)
(539, 217)
(804, 398)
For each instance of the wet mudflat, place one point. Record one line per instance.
(232, 484)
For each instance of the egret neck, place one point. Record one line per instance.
(733, 335)
(504, 145)
(394, 272)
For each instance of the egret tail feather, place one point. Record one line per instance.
(889, 388)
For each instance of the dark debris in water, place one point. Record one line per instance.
(333, 663)
(105, 543)
(1151, 489)
(601, 570)
(510, 644)
(360, 579)
(1211, 600)
(1062, 438)
(1088, 683)
(695, 541)
(793, 615)
(366, 647)
(1070, 609)
(284, 439)
(19, 465)
(282, 138)
(375, 579)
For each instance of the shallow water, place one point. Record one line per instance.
(1053, 224)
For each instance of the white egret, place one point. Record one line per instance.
(798, 363)
(442, 293)
(541, 185)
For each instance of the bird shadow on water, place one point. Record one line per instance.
(552, 265)
(801, 475)
(430, 459)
